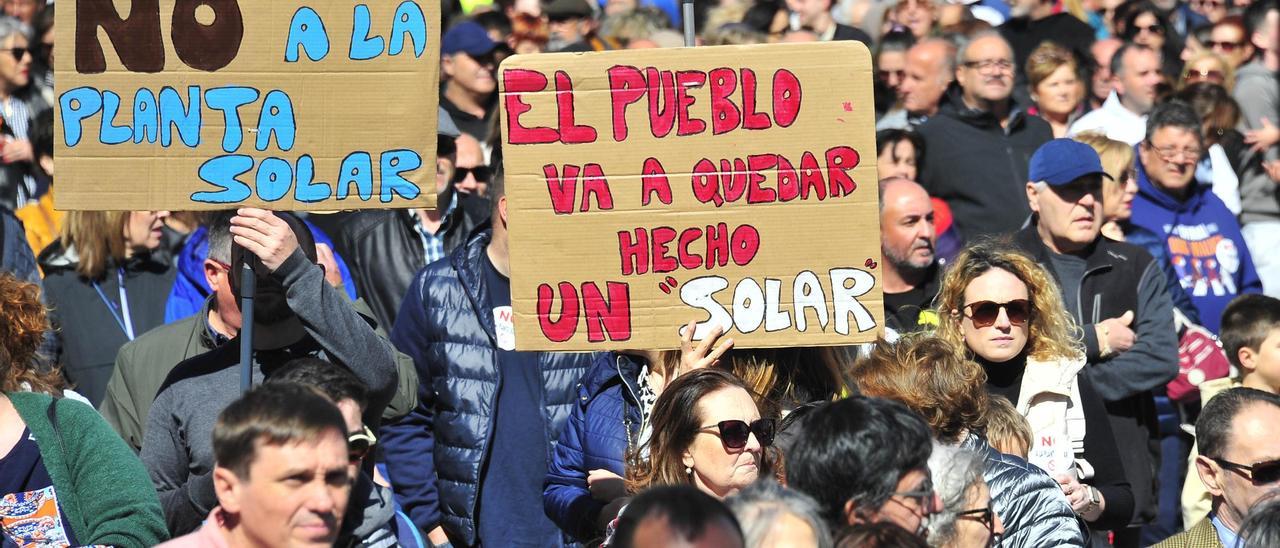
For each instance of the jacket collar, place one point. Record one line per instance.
(1098, 254)
(467, 261)
(1052, 377)
(1150, 192)
(953, 105)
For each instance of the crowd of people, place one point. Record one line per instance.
(1081, 252)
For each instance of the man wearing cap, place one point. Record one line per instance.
(1115, 291)
(467, 66)
(573, 25)
(386, 248)
(296, 313)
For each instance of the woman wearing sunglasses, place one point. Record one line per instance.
(1006, 311)
(707, 432)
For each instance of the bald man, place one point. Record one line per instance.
(907, 240)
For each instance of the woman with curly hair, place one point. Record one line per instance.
(1004, 311)
(66, 478)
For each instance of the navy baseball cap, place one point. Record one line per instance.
(467, 37)
(1061, 161)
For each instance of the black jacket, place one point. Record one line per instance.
(89, 332)
(978, 167)
(384, 251)
(1120, 277)
(1063, 29)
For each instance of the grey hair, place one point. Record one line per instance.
(10, 26)
(1262, 526)
(219, 236)
(955, 472)
(963, 48)
(759, 506)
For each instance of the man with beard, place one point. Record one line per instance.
(297, 314)
(1135, 73)
(1117, 295)
(977, 146)
(911, 274)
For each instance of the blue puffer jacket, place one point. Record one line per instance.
(435, 453)
(605, 422)
(1032, 507)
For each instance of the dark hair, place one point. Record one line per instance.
(1173, 113)
(1246, 322)
(272, 414)
(1139, 8)
(1261, 528)
(494, 20)
(882, 534)
(888, 139)
(42, 134)
(862, 447)
(1218, 111)
(1213, 428)
(676, 421)
(687, 511)
(895, 40)
(334, 381)
(1255, 18)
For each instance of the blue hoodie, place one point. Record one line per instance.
(1204, 244)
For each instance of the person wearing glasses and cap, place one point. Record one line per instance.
(467, 68)
(1239, 464)
(1114, 291)
(1003, 310)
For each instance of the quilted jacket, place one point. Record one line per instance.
(1032, 507)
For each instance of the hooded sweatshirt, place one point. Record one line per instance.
(1204, 244)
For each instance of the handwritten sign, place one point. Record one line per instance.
(729, 185)
(198, 104)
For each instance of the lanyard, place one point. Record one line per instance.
(120, 313)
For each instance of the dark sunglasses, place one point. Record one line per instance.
(1153, 29)
(1215, 76)
(1260, 473)
(18, 53)
(482, 174)
(735, 433)
(985, 516)
(360, 444)
(1224, 46)
(884, 75)
(985, 313)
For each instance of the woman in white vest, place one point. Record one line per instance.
(1006, 312)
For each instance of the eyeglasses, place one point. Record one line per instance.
(1224, 46)
(988, 64)
(481, 173)
(985, 313)
(360, 444)
(1153, 29)
(985, 516)
(735, 433)
(925, 497)
(1170, 152)
(1211, 76)
(1260, 473)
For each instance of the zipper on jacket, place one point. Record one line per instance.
(626, 421)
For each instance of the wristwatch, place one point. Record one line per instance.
(1095, 499)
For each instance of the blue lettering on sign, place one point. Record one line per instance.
(275, 176)
(146, 119)
(363, 47)
(229, 100)
(276, 118)
(173, 114)
(357, 168)
(223, 172)
(74, 106)
(409, 20)
(308, 191)
(392, 163)
(306, 31)
(108, 132)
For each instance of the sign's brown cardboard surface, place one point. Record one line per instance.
(332, 104)
(727, 185)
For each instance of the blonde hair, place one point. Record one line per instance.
(1228, 71)
(1052, 333)
(1045, 60)
(1007, 430)
(1116, 158)
(98, 238)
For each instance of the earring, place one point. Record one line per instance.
(688, 471)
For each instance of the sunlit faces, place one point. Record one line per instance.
(1170, 158)
(1252, 440)
(917, 15)
(1137, 83)
(15, 63)
(891, 68)
(1148, 31)
(1117, 196)
(472, 74)
(1070, 215)
(1229, 41)
(897, 160)
(986, 72)
(718, 470)
(1002, 340)
(972, 528)
(143, 230)
(1102, 51)
(925, 80)
(907, 234)
(1060, 93)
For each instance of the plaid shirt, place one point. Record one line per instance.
(433, 244)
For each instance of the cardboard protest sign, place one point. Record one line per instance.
(728, 185)
(292, 105)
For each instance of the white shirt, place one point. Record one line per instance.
(1112, 118)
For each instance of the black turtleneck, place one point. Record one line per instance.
(1100, 450)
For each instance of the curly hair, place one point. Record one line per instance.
(1052, 333)
(23, 324)
(930, 377)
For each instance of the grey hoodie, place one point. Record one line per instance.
(1258, 94)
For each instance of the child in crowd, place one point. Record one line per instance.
(1007, 430)
(1251, 339)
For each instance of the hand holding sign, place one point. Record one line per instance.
(262, 233)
